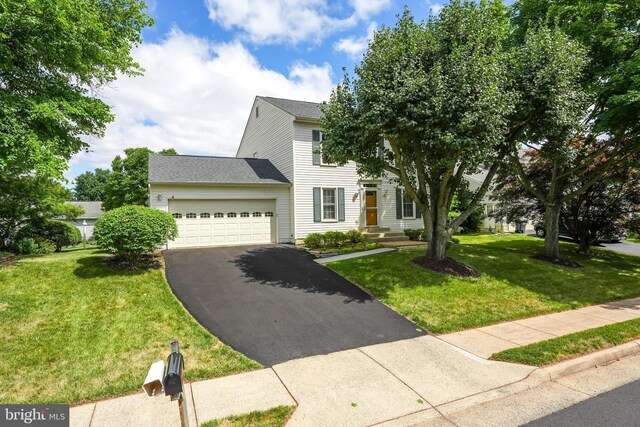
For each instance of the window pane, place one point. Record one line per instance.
(244, 215)
(257, 214)
(269, 214)
(177, 215)
(231, 215)
(329, 212)
(191, 215)
(329, 196)
(218, 215)
(205, 215)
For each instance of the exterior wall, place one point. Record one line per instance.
(269, 136)
(388, 217)
(279, 193)
(307, 175)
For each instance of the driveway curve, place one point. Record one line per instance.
(274, 303)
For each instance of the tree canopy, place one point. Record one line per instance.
(437, 92)
(90, 186)
(54, 57)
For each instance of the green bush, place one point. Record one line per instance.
(314, 241)
(35, 238)
(334, 239)
(32, 246)
(354, 237)
(130, 232)
(414, 234)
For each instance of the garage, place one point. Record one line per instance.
(223, 222)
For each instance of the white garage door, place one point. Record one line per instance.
(223, 222)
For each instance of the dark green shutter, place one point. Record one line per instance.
(317, 217)
(315, 146)
(381, 148)
(340, 204)
(398, 203)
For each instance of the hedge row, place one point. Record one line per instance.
(333, 239)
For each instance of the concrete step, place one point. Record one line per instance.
(376, 229)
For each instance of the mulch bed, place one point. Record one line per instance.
(446, 266)
(6, 259)
(557, 261)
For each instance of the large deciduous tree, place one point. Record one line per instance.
(607, 73)
(437, 92)
(129, 178)
(89, 186)
(54, 56)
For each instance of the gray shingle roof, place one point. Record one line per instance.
(164, 168)
(92, 210)
(298, 109)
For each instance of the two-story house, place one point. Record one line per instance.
(278, 188)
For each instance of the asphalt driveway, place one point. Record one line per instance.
(625, 247)
(273, 303)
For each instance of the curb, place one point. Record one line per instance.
(536, 378)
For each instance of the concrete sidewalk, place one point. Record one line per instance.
(397, 383)
(486, 341)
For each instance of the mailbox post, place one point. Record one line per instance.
(172, 381)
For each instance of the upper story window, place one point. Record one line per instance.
(316, 145)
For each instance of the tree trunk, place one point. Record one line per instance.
(552, 228)
(428, 225)
(437, 249)
(584, 243)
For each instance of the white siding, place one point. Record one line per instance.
(269, 136)
(281, 195)
(388, 213)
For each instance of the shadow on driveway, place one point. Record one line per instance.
(274, 303)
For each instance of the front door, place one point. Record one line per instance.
(371, 205)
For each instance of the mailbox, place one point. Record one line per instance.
(172, 380)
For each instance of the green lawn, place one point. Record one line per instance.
(634, 238)
(511, 285)
(573, 345)
(76, 331)
(274, 417)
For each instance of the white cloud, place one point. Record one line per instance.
(195, 96)
(290, 21)
(435, 8)
(355, 46)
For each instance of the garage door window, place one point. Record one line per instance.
(218, 215)
(257, 214)
(205, 215)
(177, 215)
(231, 215)
(191, 215)
(244, 215)
(268, 214)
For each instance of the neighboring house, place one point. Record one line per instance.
(92, 211)
(278, 188)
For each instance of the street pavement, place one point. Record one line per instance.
(619, 407)
(624, 247)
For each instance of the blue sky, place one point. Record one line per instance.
(206, 60)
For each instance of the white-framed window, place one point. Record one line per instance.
(177, 215)
(205, 215)
(268, 214)
(244, 215)
(318, 137)
(257, 214)
(329, 204)
(232, 215)
(408, 207)
(191, 215)
(218, 215)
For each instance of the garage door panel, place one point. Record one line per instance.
(223, 222)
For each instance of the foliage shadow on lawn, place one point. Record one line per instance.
(97, 266)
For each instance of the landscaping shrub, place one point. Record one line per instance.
(354, 237)
(39, 238)
(334, 239)
(32, 246)
(314, 241)
(130, 232)
(415, 234)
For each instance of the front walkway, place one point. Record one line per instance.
(423, 377)
(486, 341)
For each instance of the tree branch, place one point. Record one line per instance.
(480, 193)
